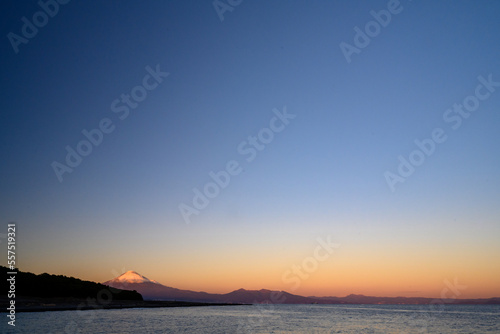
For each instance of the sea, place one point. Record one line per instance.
(266, 318)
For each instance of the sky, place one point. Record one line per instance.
(368, 125)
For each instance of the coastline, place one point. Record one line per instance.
(64, 304)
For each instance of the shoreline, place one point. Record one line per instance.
(48, 305)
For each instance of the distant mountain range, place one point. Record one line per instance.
(152, 290)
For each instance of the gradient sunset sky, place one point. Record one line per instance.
(323, 175)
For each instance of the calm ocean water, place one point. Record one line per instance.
(386, 319)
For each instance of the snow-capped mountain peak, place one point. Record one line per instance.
(132, 277)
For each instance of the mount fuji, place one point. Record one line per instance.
(152, 290)
(130, 277)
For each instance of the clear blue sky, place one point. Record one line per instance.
(322, 175)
